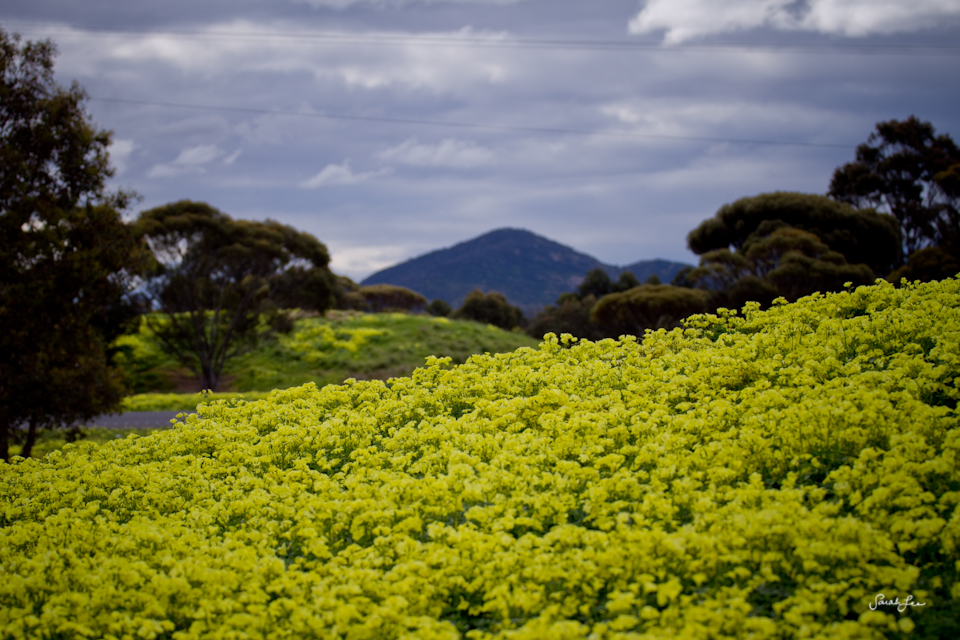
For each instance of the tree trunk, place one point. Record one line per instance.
(209, 379)
(4, 440)
(30, 440)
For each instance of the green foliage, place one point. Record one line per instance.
(183, 401)
(863, 236)
(627, 280)
(904, 168)
(758, 476)
(682, 279)
(490, 308)
(796, 263)
(648, 306)
(215, 277)
(596, 283)
(790, 245)
(348, 296)
(66, 257)
(439, 308)
(574, 313)
(930, 263)
(570, 315)
(388, 297)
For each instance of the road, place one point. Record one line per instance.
(135, 420)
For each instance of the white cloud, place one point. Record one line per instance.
(358, 262)
(727, 119)
(339, 174)
(400, 58)
(684, 20)
(192, 159)
(120, 151)
(201, 154)
(450, 152)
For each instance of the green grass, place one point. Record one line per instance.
(323, 350)
(182, 401)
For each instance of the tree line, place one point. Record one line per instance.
(74, 274)
(891, 213)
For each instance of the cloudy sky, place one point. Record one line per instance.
(390, 128)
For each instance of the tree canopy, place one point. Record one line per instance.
(388, 297)
(66, 257)
(863, 236)
(491, 308)
(904, 168)
(790, 245)
(215, 276)
(648, 306)
(571, 314)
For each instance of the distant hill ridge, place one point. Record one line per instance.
(530, 270)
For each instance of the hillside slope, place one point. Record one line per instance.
(766, 476)
(326, 350)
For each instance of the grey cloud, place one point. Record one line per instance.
(377, 192)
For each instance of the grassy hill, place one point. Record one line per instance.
(325, 350)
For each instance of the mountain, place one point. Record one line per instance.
(664, 269)
(530, 270)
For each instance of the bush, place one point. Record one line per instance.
(490, 308)
(439, 308)
(388, 297)
(759, 476)
(649, 306)
(571, 315)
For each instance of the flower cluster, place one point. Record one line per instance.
(761, 475)
(314, 339)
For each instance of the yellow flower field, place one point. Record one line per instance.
(763, 476)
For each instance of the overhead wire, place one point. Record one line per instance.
(490, 42)
(498, 41)
(473, 125)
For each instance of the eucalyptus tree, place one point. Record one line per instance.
(67, 259)
(218, 282)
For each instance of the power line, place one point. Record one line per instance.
(511, 43)
(476, 126)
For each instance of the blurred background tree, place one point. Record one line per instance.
(439, 308)
(67, 260)
(648, 306)
(380, 298)
(214, 277)
(490, 308)
(790, 245)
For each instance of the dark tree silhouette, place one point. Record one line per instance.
(66, 257)
(863, 236)
(896, 170)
